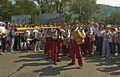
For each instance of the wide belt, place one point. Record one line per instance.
(49, 38)
(72, 40)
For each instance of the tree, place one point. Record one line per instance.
(5, 9)
(84, 9)
(26, 7)
(113, 19)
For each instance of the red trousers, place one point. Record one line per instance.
(76, 51)
(49, 48)
(55, 50)
(88, 46)
(45, 48)
(59, 45)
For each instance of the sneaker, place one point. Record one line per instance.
(103, 55)
(113, 57)
(80, 67)
(48, 58)
(109, 57)
(1, 53)
(59, 61)
(5, 50)
(90, 55)
(55, 63)
(11, 51)
(71, 64)
(35, 50)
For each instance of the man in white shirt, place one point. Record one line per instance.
(49, 42)
(2, 28)
(75, 49)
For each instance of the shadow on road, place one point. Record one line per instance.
(52, 71)
(110, 65)
(31, 58)
(37, 57)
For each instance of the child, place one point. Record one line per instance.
(28, 43)
(35, 39)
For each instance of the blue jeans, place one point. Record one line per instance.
(12, 40)
(105, 48)
(112, 48)
(99, 44)
(41, 45)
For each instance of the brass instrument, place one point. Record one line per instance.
(78, 37)
(28, 28)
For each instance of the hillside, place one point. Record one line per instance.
(106, 10)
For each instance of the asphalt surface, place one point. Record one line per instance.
(35, 64)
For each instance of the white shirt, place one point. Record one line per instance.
(116, 29)
(105, 34)
(27, 33)
(72, 35)
(3, 29)
(95, 30)
(111, 39)
(8, 31)
(49, 33)
(99, 33)
(38, 36)
(36, 31)
(76, 30)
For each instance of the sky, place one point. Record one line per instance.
(106, 2)
(109, 2)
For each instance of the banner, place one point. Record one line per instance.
(45, 18)
(21, 19)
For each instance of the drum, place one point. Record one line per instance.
(78, 37)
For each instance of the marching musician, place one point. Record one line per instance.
(7, 37)
(75, 48)
(49, 42)
(88, 40)
(55, 39)
(44, 39)
(60, 38)
(65, 39)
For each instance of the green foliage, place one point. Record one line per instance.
(73, 9)
(84, 9)
(5, 9)
(26, 7)
(107, 10)
(113, 19)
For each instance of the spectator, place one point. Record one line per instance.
(2, 28)
(1, 43)
(12, 38)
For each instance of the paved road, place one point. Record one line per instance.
(35, 65)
